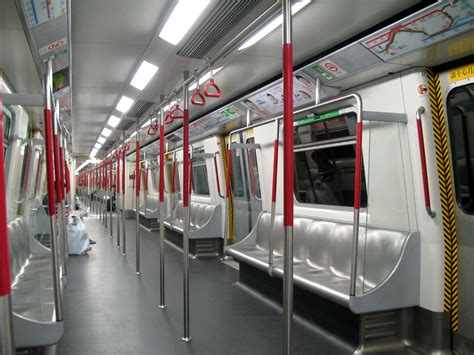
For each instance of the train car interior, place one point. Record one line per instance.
(236, 177)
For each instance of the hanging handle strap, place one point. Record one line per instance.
(198, 99)
(176, 113)
(212, 85)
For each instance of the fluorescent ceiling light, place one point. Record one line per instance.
(101, 140)
(183, 17)
(133, 134)
(124, 104)
(272, 25)
(205, 78)
(143, 75)
(113, 121)
(127, 140)
(106, 132)
(98, 146)
(93, 153)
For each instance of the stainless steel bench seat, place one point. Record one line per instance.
(32, 289)
(205, 220)
(388, 261)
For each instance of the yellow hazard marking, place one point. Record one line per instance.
(230, 204)
(461, 73)
(447, 201)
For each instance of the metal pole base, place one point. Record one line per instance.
(186, 339)
(137, 273)
(162, 306)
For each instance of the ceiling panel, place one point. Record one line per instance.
(9, 16)
(116, 21)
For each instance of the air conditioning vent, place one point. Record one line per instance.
(222, 19)
(139, 108)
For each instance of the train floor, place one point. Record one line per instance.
(108, 309)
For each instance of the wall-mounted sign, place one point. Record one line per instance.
(41, 11)
(53, 46)
(432, 25)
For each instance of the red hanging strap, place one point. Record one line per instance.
(211, 85)
(198, 99)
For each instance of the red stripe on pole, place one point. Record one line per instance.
(190, 175)
(424, 170)
(137, 169)
(146, 179)
(57, 173)
(48, 132)
(217, 176)
(68, 179)
(111, 174)
(275, 170)
(162, 163)
(186, 158)
(288, 178)
(123, 171)
(173, 176)
(358, 166)
(5, 281)
(117, 174)
(62, 181)
(228, 189)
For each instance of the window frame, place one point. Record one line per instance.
(334, 142)
(452, 149)
(201, 162)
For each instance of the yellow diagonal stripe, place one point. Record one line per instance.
(447, 200)
(230, 204)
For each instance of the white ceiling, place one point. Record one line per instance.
(15, 56)
(110, 38)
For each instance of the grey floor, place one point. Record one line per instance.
(108, 309)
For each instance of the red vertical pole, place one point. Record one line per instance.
(5, 281)
(6, 338)
(137, 170)
(288, 182)
(57, 169)
(162, 160)
(137, 201)
(162, 212)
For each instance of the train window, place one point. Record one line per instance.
(253, 170)
(200, 180)
(325, 162)
(460, 109)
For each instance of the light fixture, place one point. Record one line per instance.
(101, 140)
(93, 153)
(106, 132)
(113, 121)
(205, 78)
(182, 18)
(144, 74)
(133, 134)
(124, 104)
(87, 162)
(127, 140)
(98, 146)
(272, 25)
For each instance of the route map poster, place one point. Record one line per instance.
(437, 23)
(38, 12)
(270, 102)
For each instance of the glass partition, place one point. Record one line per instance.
(385, 222)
